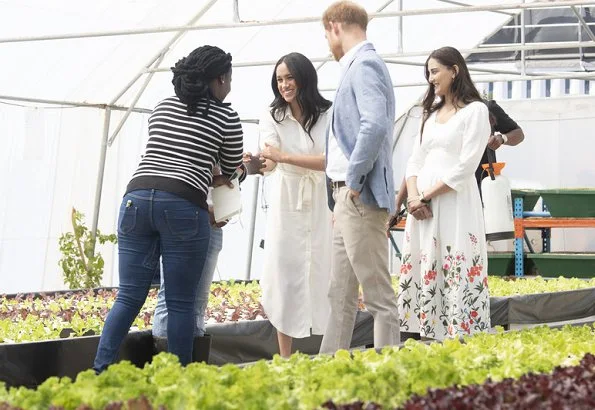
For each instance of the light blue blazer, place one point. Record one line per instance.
(362, 121)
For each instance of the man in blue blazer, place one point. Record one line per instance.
(361, 188)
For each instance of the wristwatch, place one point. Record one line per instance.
(422, 199)
(503, 136)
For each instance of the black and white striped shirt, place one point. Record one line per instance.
(182, 149)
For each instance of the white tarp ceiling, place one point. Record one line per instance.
(96, 69)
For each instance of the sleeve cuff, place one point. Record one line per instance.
(453, 184)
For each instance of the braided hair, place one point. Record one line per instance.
(193, 73)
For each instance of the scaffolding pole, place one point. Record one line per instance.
(523, 52)
(470, 67)
(458, 3)
(584, 24)
(400, 29)
(100, 173)
(252, 226)
(514, 26)
(394, 56)
(133, 103)
(78, 104)
(486, 79)
(236, 11)
(301, 20)
(72, 104)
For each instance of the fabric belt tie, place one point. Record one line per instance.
(305, 189)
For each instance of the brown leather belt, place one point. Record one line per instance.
(337, 184)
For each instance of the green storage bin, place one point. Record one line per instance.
(502, 264)
(530, 198)
(577, 202)
(569, 265)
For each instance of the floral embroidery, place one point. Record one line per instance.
(430, 274)
(443, 292)
(474, 271)
(406, 264)
(473, 239)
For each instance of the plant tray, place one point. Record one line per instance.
(502, 264)
(530, 198)
(570, 202)
(577, 265)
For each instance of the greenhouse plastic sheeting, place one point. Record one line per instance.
(499, 311)
(29, 364)
(242, 342)
(551, 307)
(248, 341)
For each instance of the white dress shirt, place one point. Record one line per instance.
(337, 163)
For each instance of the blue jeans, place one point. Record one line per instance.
(151, 224)
(202, 290)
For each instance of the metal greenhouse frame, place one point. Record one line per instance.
(399, 57)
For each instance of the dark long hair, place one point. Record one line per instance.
(462, 88)
(311, 102)
(193, 73)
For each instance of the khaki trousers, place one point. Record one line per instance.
(359, 257)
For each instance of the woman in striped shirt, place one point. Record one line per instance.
(164, 211)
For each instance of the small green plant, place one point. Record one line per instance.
(82, 267)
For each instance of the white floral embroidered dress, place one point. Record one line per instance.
(443, 288)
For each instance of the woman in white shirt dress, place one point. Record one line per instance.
(443, 284)
(296, 268)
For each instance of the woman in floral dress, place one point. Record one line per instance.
(443, 286)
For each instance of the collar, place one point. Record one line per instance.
(217, 100)
(346, 59)
(289, 114)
